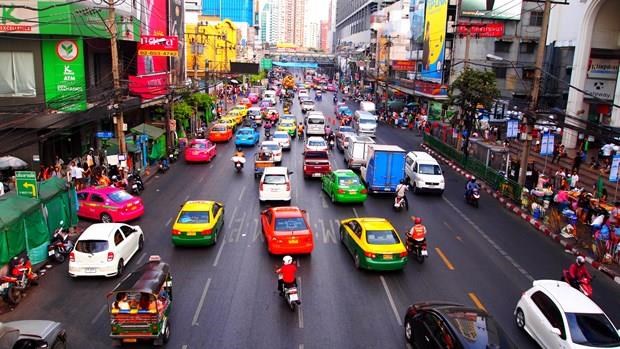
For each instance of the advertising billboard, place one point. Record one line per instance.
(154, 22)
(167, 46)
(63, 69)
(416, 16)
(435, 19)
(177, 28)
(19, 17)
(494, 9)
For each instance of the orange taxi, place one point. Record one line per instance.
(220, 133)
(286, 230)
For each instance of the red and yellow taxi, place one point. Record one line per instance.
(286, 230)
(200, 150)
(220, 133)
(109, 204)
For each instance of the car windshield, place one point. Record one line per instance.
(272, 147)
(348, 181)
(381, 237)
(367, 121)
(219, 128)
(199, 146)
(244, 133)
(120, 196)
(290, 224)
(193, 217)
(316, 121)
(345, 129)
(592, 330)
(308, 103)
(274, 179)
(91, 246)
(429, 169)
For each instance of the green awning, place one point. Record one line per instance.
(149, 130)
(112, 147)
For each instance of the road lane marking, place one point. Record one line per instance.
(330, 233)
(201, 179)
(184, 346)
(300, 311)
(241, 225)
(169, 221)
(458, 237)
(448, 226)
(96, 318)
(355, 212)
(301, 346)
(232, 219)
(219, 253)
(201, 302)
(141, 258)
(242, 192)
(444, 259)
(490, 241)
(211, 166)
(476, 301)
(389, 295)
(323, 200)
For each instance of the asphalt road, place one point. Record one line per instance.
(225, 295)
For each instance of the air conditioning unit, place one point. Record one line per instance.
(451, 28)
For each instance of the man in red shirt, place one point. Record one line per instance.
(286, 273)
(577, 271)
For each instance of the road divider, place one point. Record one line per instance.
(201, 302)
(476, 301)
(445, 259)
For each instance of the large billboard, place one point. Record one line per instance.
(177, 28)
(434, 44)
(154, 22)
(63, 68)
(416, 16)
(495, 9)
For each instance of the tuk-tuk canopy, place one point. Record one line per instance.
(148, 279)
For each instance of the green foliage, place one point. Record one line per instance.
(472, 88)
(182, 113)
(256, 78)
(201, 101)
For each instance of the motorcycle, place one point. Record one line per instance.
(134, 183)
(399, 203)
(335, 99)
(418, 248)
(585, 284)
(173, 154)
(20, 276)
(473, 197)
(238, 163)
(291, 296)
(331, 143)
(163, 165)
(60, 246)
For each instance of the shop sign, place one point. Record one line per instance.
(149, 86)
(615, 166)
(486, 30)
(104, 134)
(403, 65)
(599, 68)
(150, 45)
(64, 77)
(431, 88)
(547, 144)
(19, 17)
(603, 89)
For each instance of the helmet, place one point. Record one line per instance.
(114, 178)
(238, 148)
(287, 260)
(473, 179)
(418, 220)
(580, 260)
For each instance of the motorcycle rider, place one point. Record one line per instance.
(331, 139)
(239, 153)
(300, 130)
(286, 274)
(471, 186)
(335, 99)
(401, 192)
(578, 271)
(417, 234)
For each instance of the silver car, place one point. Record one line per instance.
(37, 334)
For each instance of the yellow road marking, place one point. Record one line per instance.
(476, 301)
(444, 258)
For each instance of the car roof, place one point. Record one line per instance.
(269, 143)
(372, 223)
(420, 155)
(567, 297)
(102, 189)
(277, 170)
(280, 133)
(287, 211)
(315, 138)
(245, 129)
(344, 173)
(383, 147)
(197, 205)
(220, 124)
(362, 139)
(41, 329)
(99, 231)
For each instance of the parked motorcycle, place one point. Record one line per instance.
(473, 197)
(19, 277)
(585, 284)
(418, 248)
(60, 246)
(134, 183)
(399, 203)
(173, 154)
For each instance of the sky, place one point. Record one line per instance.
(319, 10)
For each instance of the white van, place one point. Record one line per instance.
(356, 154)
(424, 173)
(364, 123)
(316, 125)
(269, 94)
(369, 107)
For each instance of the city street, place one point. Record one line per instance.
(225, 295)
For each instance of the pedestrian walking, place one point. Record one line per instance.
(577, 161)
(574, 179)
(556, 153)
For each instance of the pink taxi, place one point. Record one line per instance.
(109, 204)
(200, 150)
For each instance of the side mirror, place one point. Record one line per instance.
(290, 172)
(556, 331)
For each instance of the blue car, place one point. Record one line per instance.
(247, 136)
(344, 111)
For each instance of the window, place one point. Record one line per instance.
(435, 327)
(96, 198)
(592, 330)
(502, 46)
(82, 196)
(91, 246)
(118, 238)
(527, 47)
(193, 217)
(17, 74)
(382, 237)
(290, 224)
(216, 209)
(120, 196)
(127, 230)
(550, 311)
(528, 73)
(500, 72)
(536, 18)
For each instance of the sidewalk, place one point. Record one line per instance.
(569, 245)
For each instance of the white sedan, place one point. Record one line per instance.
(316, 143)
(275, 149)
(283, 138)
(275, 185)
(557, 315)
(104, 249)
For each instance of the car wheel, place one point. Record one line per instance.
(120, 267)
(140, 243)
(356, 258)
(408, 331)
(520, 319)
(106, 218)
(166, 334)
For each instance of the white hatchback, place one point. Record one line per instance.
(316, 143)
(556, 315)
(104, 249)
(283, 138)
(275, 185)
(275, 149)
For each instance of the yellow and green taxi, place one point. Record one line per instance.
(373, 243)
(288, 117)
(344, 186)
(288, 126)
(241, 108)
(235, 114)
(229, 121)
(199, 223)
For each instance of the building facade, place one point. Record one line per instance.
(210, 48)
(312, 35)
(324, 36)
(352, 24)
(235, 10)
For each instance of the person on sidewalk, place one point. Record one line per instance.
(574, 179)
(577, 161)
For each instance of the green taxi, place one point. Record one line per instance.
(344, 186)
(289, 127)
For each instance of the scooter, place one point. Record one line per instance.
(238, 162)
(134, 183)
(473, 197)
(20, 276)
(60, 246)
(331, 143)
(399, 203)
(418, 248)
(585, 284)
(173, 154)
(163, 165)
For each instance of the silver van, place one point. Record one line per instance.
(316, 125)
(364, 123)
(356, 154)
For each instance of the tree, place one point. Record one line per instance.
(202, 101)
(182, 113)
(473, 88)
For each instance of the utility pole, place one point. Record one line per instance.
(120, 122)
(540, 57)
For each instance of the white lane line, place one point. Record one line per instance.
(219, 252)
(490, 241)
(211, 166)
(242, 192)
(96, 318)
(323, 200)
(355, 212)
(389, 295)
(232, 219)
(201, 302)
(141, 258)
(202, 179)
(187, 197)
(300, 311)
(169, 221)
(184, 346)
(301, 346)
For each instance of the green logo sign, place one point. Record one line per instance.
(266, 64)
(26, 184)
(64, 77)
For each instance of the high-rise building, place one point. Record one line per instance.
(312, 35)
(292, 15)
(271, 26)
(324, 36)
(235, 10)
(353, 20)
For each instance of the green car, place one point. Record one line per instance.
(344, 186)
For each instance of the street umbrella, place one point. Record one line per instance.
(7, 162)
(233, 81)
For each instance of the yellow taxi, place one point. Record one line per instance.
(288, 126)
(237, 115)
(199, 223)
(373, 243)
(243, 110)
(229, 121)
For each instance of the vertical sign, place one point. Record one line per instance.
(26, 184)
(615, 165)
(64, 77)
(546, 144)
(434, 39)
(512, 128)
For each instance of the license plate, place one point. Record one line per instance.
(50, 252)
(352, 192)
(195, 153)
(316, 175)
(387, 256)
(294, 297)
(90, 270)
(274, 190)
(387, 189)
(425, 253)
(130, 340)
(293, 241)
(191, 233)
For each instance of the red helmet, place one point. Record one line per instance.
(418, 220)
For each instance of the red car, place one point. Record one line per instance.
(286, 230)
(200, 150)
(246, 102)
(316, 163)
(253, 97)
(220, 133)
(109, 204)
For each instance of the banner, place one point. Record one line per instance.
(153, 16)
(599, 68)
(416, 17)
(495, 9)
(19, 17)
(167, 46)
(176, 14)
(615, 166)
(547, 144)
(512, 128)
(434, 39)
(149, 86)
(486, 30)
(403, 65)
(63, 74)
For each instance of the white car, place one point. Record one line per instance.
(307, 106)
(303, 94)
(283, 138)
(104, 249)
(275, 185)
(275, 148)
(255, 114)
(556, 315)
(316, 143)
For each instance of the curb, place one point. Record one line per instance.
(512, 207)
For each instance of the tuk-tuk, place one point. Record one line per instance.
(140, 305)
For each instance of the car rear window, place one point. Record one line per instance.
(592, 330)
(315, 155)
(308, 103)
(91, 246)
(219, 128)
(347, 181)
(199, 146)
(478, 329)
(429, 169)
(271, 147)
(345, 129)
(317, 143)
(120, 196)
(274, 179)
(290, 224)
(381, 237)
(280, 135)
(316, 121)
(367, 121)
(244, 132)
(193, 217)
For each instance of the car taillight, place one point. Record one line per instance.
(370, 255)
(340, 191)
(305, 167)
(288, 186)
(260, 186)
(110, 256)
(176, 232)
(71, 257)
(206, 232)
(403, 254)
(364, 191)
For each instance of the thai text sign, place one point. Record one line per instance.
(403, 65)
(486, 30)
(151, 45)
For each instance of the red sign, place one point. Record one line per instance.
(149, 86)
(403, 65)
(483, 30)
(151, 45)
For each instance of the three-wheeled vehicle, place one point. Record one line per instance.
(140, 305)
(261, 160)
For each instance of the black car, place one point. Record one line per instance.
(444, 325)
